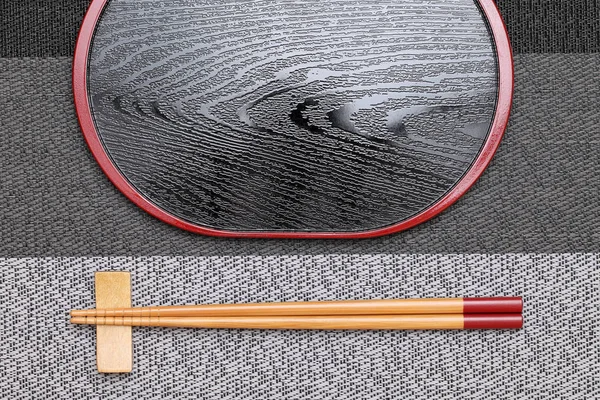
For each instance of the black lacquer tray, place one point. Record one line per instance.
(277, 118)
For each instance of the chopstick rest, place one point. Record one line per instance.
(114, 316)
(114, 346)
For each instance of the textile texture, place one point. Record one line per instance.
(530, 227)
(554, 356)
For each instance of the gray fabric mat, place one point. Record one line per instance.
(554, 357)
(540, 194)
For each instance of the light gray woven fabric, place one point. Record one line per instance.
(540, 194)
(554, 357)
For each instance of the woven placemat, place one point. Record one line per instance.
(554, 357)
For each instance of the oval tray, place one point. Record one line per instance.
(280, 118)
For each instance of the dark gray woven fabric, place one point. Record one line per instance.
(540, 193)
(554, 357)
(552, 26)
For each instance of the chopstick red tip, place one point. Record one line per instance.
(485, 305)
(493, 321)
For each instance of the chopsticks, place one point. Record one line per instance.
(458, 313)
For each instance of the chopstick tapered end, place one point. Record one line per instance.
(79, 320)
(77, 313)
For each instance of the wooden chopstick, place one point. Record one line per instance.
(482, 305)
(356, 322)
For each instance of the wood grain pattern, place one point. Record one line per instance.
(328, 115)
(114, 346)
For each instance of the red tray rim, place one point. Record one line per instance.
(498, 127)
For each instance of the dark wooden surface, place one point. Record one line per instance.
(286, 115)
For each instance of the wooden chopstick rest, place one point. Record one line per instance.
(114, 345)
